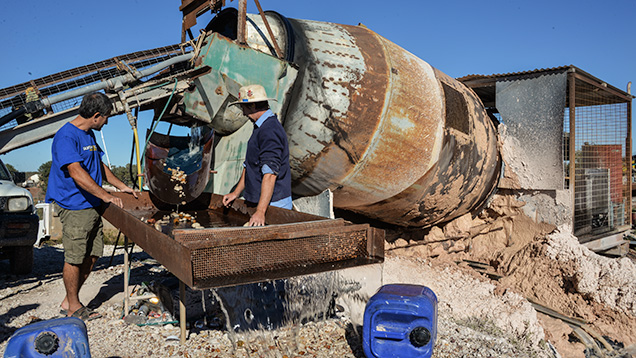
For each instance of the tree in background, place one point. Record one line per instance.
(43, 173)
(17, 176)
(124, 174)
(11, 168)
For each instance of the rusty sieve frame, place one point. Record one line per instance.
(215, 257)
(598, 122)
(222, 257)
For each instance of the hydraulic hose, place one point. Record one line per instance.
(12, 115)
(130, 165)
(139, 177)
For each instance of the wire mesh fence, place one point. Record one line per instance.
(601, 162)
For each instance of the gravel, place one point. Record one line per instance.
(30, 298)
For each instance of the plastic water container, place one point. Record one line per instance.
(60, 337)
(400, 320)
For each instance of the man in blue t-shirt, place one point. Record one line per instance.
(266, 177)
(75, 189)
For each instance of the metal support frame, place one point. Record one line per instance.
(576, 78)
(572, 119)
(628, 145)
(241, 33)
(45, 127)
(182, 311)
(126, 276)
(184, 254)
(279, 53)
(192, 8)
(127, 298)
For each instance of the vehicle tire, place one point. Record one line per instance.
(21, 259)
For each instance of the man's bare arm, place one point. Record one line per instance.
(240, 186)
(116, 182)
(84, 181)
(267, 190)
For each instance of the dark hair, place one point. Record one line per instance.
(261, 106)
(94, 103)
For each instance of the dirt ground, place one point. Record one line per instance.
(506, 287)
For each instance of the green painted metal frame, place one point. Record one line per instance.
(233, 66)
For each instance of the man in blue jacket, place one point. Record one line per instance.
(266, 177)
(75, 188)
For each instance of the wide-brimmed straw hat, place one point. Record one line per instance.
(251, 94)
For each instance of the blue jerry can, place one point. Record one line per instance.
(60, 337)
(400, 320)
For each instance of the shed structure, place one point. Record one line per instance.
(566, 131)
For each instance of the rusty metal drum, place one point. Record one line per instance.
(392, 137)
(178, 168)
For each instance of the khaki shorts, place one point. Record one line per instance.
(82, 234)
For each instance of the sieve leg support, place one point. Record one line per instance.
(126, 277)
(182, 311)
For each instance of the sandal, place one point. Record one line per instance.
(86, 314)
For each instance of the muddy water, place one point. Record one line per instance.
(256, 313)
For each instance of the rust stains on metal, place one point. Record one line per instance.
(463, 177)
(175, 173)
(381, 106)
(350, 126)
(174, 256)
(393, 138)
(294, 243)
(407, 130)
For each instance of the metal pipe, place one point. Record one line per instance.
(572, 147)
(182, 312)
(138, 157)
(126, 277)
(115, 82)
(628, 158)
(242, 20)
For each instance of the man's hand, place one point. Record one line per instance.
(258, 219)
(129, 190)
(229, 198)
(115, 200)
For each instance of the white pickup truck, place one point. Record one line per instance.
(18, 224)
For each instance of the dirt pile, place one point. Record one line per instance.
(526, 261)
(557, 272)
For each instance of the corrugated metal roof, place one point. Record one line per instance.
(510, 74)
(485, 80)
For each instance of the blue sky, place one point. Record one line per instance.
(458, 37)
